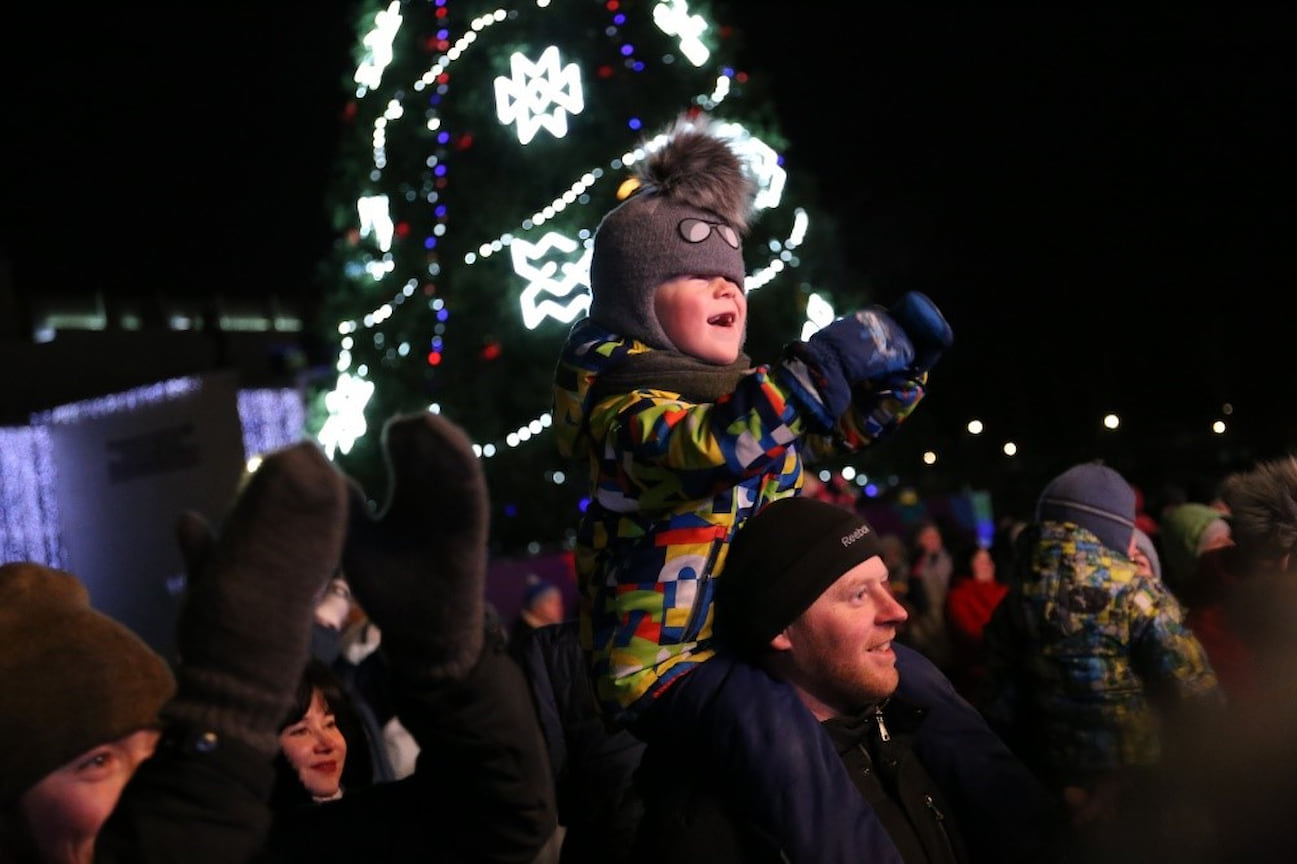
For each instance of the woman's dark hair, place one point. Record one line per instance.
(316, 676)
(357, 771)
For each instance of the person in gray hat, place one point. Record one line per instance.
(1087, 660)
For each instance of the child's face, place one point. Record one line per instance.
(703, 316)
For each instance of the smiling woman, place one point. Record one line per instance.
(312, 765)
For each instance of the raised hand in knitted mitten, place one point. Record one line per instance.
(244, 629)
(418, 568)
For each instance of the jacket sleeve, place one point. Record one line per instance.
(1006, 813)
(482, 760)
(1165, 653)
(706, 444)
(593, 766)
(742, 433)
(192, 802)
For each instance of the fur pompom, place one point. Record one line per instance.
(698, 168)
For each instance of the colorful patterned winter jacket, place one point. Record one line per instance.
(1086, 654)
(671, 481)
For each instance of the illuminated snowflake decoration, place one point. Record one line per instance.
(539, 95)
(551, 283)
(674, 19)
(378, 46)
(346, 423)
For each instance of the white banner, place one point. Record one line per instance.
(127, 466)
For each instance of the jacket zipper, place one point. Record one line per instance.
(937, 815)
(941, 824)
(699, 610)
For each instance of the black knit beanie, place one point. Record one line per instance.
(687, 218)
(1095, 497)
(72, 677)
(780, 561)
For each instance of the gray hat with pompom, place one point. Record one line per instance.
(687, 218)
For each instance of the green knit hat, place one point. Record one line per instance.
(1183, 529)
(73, 678)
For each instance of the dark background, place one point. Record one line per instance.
(1100, 201)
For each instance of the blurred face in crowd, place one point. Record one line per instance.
(1143, 566)
(333, 605)
(314, 746)
(982, 565)
(547, 608)
(66, 809)
(838, 653)
(929, 539)
(703, 316)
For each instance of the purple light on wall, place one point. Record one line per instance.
(29, 515)
(271, 418)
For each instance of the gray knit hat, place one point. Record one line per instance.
(780, 561)
(1095, 497)
(73, 678)
(687, 218)
(1145, 544)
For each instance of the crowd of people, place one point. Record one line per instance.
(754, 672)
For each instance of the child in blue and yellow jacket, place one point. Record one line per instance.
(684, 439)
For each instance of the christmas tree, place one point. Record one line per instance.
(481, 148)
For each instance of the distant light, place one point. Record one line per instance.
(974, 427)
(1218, 427)
(1111, 421)
(1010, 449)
(848, 473)
(1227, 409)
(929, 458)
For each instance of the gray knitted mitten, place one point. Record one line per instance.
(418, 568)
(244, 629)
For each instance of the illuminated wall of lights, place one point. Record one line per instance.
(29, 512)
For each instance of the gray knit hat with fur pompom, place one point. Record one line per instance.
(687, 218)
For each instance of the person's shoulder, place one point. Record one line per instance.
(921, 681)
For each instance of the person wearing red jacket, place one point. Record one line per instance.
(969, 604)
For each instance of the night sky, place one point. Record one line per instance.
(1101, 202)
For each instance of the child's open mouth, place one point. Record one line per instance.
(724, 320)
